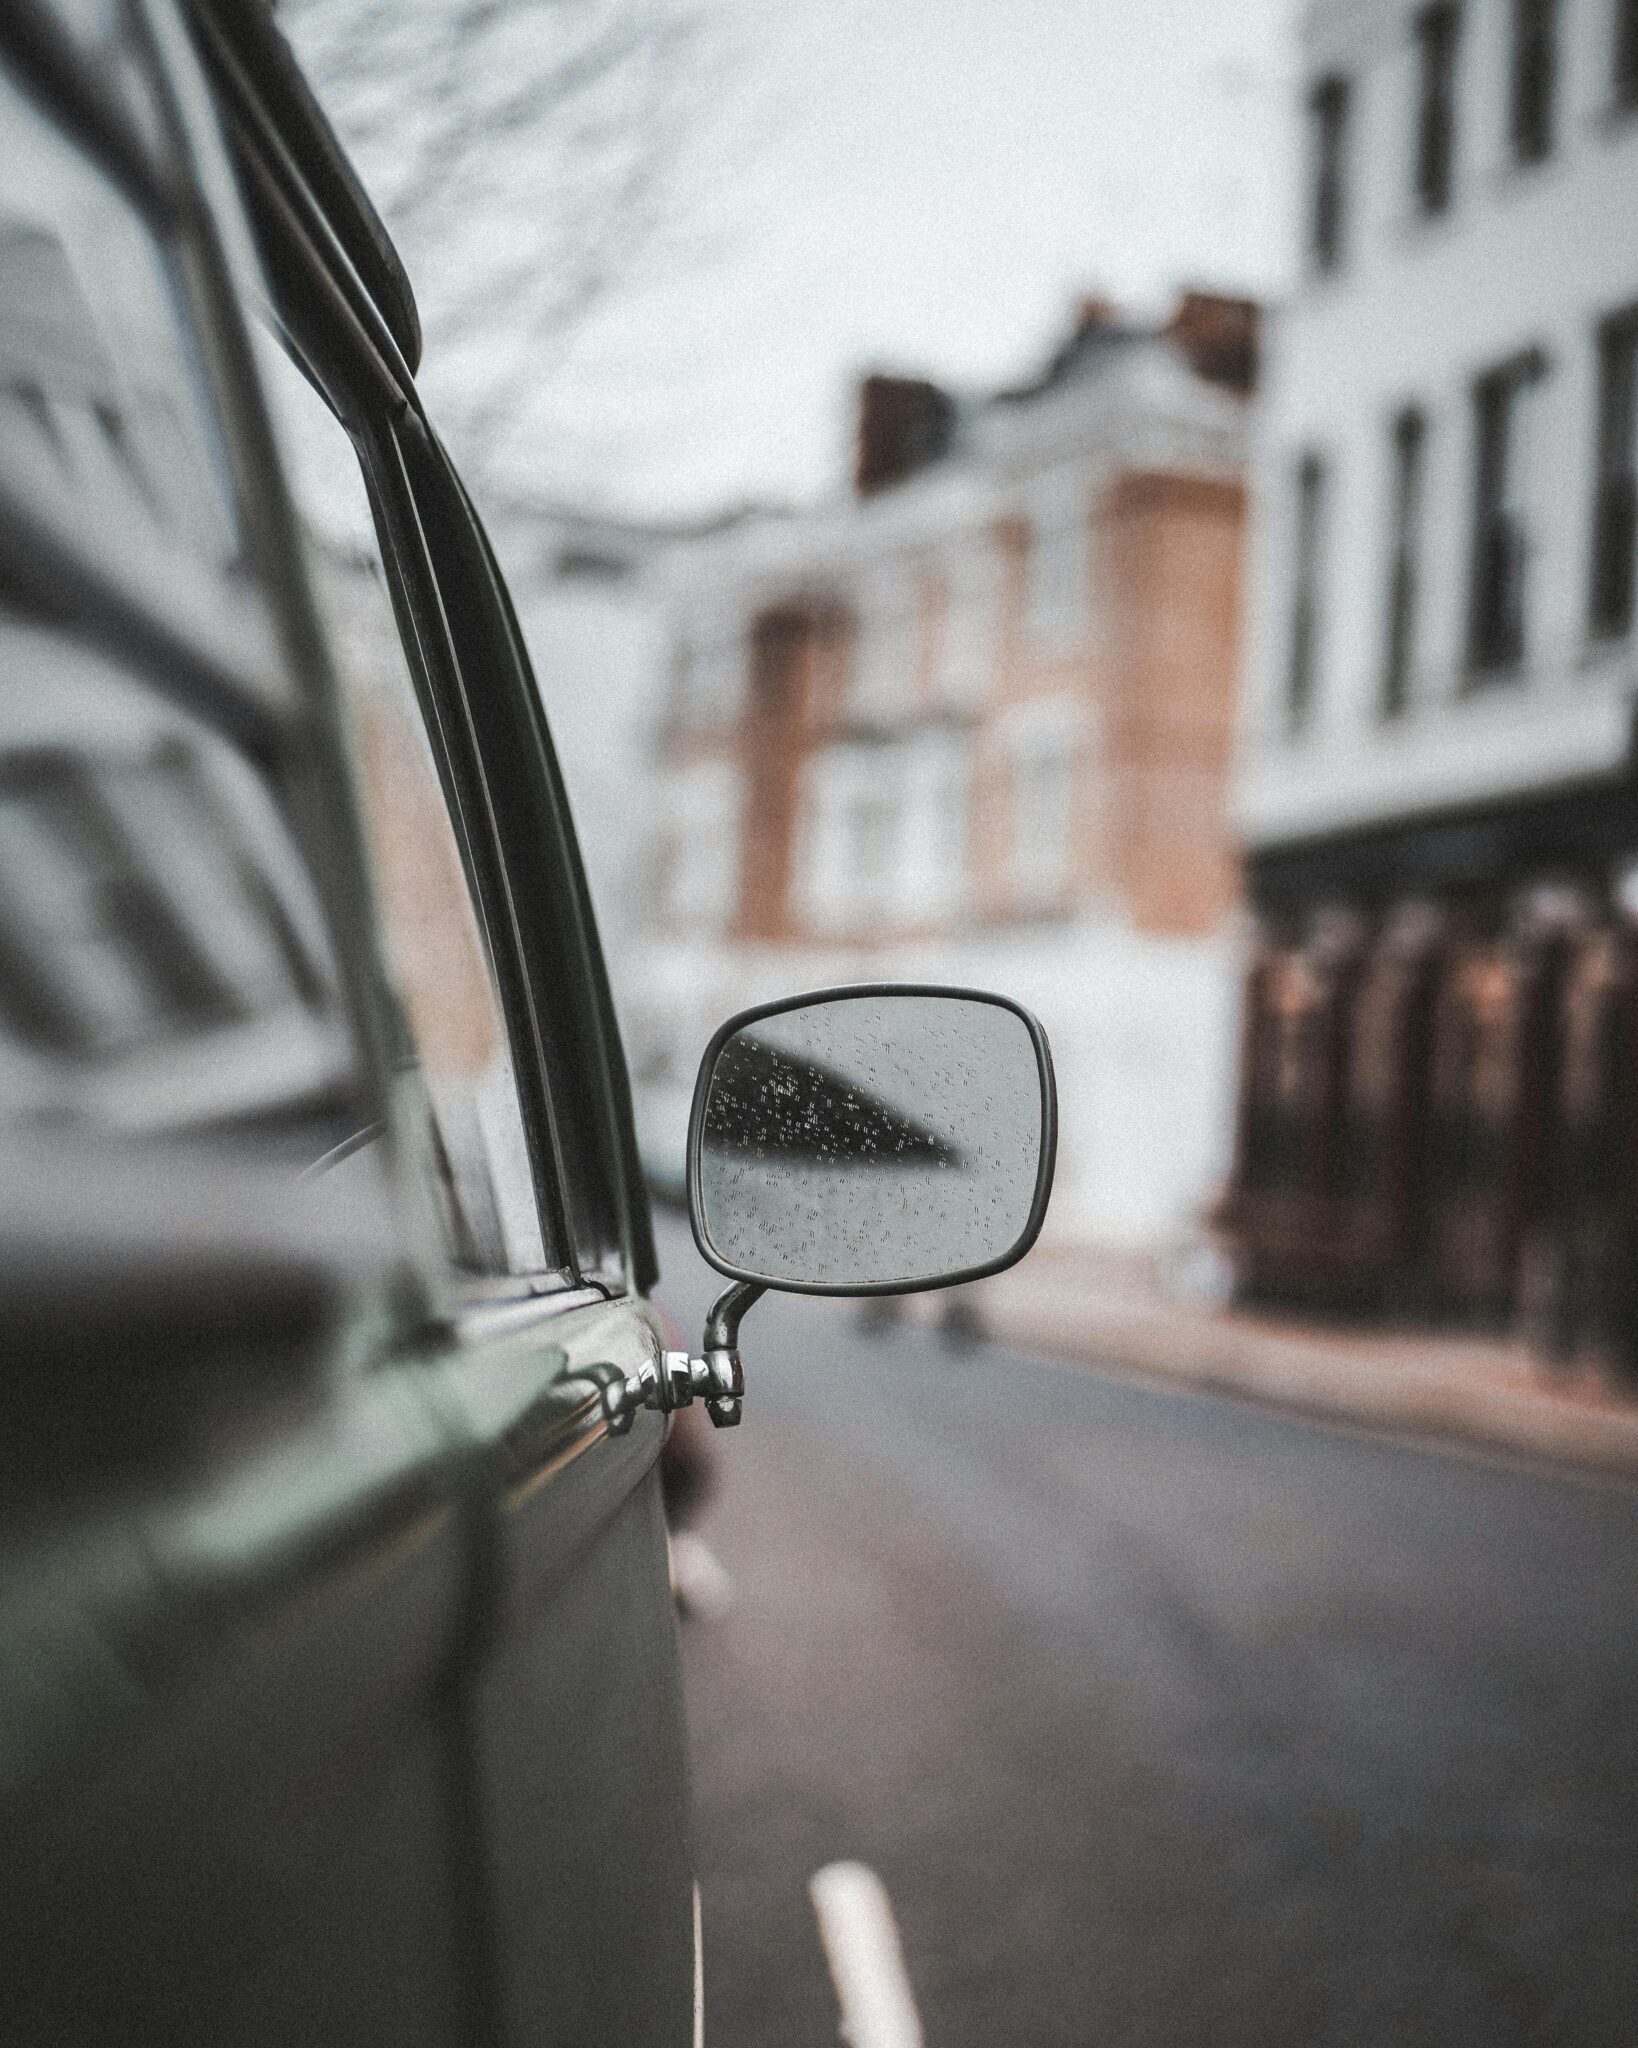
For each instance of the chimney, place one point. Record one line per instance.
(1218, 337)
(1094, 314)
(904, 424)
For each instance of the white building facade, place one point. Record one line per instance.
(973, 725)
(1435, 777)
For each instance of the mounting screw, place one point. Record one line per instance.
(623, 1396)
(619, 1407)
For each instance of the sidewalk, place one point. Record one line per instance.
(1451, 1387)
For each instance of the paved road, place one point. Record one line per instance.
(1164, 1720)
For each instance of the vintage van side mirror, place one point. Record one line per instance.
(882, 1139)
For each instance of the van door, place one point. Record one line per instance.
(237, 1527)
(573, 1690)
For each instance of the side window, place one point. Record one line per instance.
(164, 959)
(135, 909)
(433, 929)
(103, 413)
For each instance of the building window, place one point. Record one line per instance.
(850, 857)
(1534, 88)
(1436, 34)
(884, 678)
(708, 664)
(700, 857)
(779, 647)
(1043, 786)
(931, 860)
(1615, 504)
(969, 646)
(1310, 541)
(1328, 146)
(1059, 547)
(1624, 64)
(1502, 404)
(1410, 433)
(870, 826)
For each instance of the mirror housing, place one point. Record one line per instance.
(904, 1143)
(884, 1138)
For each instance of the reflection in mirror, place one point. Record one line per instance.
(886, 1140)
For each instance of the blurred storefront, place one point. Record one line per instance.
(1437, 779)
(974, 724)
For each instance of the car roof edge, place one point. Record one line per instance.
(271, 71)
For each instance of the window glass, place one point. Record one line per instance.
(1532, 100)
(1059, 563)
(1328, 151)
(885, 656)
(1624, 56)
(699, 869)
(434, 933)
(1504, 403)
(1043, 782)
(163, 962)
(1615, 505)
(854, 820)
(1404, 569)
(932, 860)
(969, 651)
(710, 669)
(1309, 568)
(103, 408)
(1437, 30)
(132, 902)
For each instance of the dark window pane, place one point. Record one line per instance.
(1436, 31)
(1328, 143)
(1534, 88)
(1501, 531)
(1409, 443)
(1624, 64)
(1310, 538)
(1615, 501)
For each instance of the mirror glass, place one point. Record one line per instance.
(871, 1141)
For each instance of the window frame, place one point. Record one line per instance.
(1615, 479)
(1623, 57)
(234, 651)
(1438, 32)
(1330, 127)
(1535, 27)
(416, 615)
(494, 752)
(1408, 513)
(1497, 393)
(1311, 473)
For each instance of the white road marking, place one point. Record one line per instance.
(699, 1974)
(861, 1944)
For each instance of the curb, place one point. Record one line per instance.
(1329, 1381)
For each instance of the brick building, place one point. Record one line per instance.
(974, 723)
(1436, 783)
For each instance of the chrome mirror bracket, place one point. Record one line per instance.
(716, 1377)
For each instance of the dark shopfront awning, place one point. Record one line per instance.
(1590, 826)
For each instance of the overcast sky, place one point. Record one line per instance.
(929, 185)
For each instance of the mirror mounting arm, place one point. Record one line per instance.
(722, 1324)
(717, 1378)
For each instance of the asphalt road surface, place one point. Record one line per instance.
(1163, 1719)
